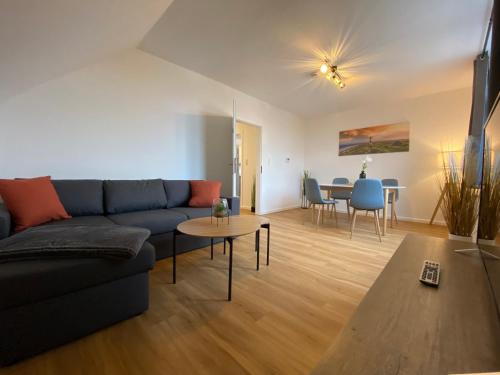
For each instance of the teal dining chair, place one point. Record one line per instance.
(393, 196)
(367, 195)
(342, 195)
(313, 195)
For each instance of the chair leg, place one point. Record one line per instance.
(336, 218)
(377, 223)
(353, 221)
(322, 213)
(312, 211)
(319, 214)
(331, 211)
(394, 211)
(348, 210)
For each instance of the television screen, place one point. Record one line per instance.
(489, 205)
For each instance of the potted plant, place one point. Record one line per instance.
(364, 166)
(252, 208)
(305, 176)
(489, 213)
(460, 195)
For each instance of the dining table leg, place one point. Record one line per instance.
(386, 203)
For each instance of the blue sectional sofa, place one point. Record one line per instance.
(48, 302)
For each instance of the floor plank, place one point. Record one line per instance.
(281, 319)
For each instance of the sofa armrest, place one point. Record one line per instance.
(5, 222)
(234, 205)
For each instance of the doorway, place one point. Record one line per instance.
(248, 154)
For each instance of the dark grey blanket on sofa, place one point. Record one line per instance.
(75, 241)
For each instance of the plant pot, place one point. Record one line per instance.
(362, 174)
(482, 241)
(456, 237)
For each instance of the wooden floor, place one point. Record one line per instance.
(280, 321)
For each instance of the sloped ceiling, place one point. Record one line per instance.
(43, 39)
(385, 48)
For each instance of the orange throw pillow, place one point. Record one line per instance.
(204, 192)
(32, 202)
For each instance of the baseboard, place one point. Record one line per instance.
(279, 209)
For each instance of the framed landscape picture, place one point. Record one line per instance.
(376, 139)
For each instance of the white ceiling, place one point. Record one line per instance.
(43, 39)
(386, 49)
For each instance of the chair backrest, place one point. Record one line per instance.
(340, 180)
(391, 182)
(367, 194)
(313, 193)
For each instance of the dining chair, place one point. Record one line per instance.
(313, 194)
(342, 195)
(393, 196)
(367, 194)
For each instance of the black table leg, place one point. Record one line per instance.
(268, 242)
(174, 255)
(257, 246)
(230, 240)
(211, 248)
(268, 227)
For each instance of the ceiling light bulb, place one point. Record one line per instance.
(329, 75)
(342, 85)
(324, 68)
(337, 80)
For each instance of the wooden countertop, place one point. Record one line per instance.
(405, 327)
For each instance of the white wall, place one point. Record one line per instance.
(436, 121)
(138, 116)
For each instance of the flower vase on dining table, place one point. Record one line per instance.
(364, 166)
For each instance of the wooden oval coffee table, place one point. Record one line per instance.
(236, 226)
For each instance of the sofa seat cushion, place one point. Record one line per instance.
(83, 220)
(157, 221)
(193, 212)
(30, 281)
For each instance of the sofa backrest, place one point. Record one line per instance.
(133, 195)
(81, 197)
(178, 192)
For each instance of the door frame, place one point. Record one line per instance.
(259, 171)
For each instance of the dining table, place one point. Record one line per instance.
(331, 188)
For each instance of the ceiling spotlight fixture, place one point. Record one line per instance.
(331, 73)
